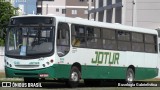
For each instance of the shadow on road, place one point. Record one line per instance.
(61, 85)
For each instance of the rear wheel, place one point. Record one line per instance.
(74, 77)
(130, 76)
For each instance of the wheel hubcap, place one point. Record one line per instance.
(130, 77)
(74, 76)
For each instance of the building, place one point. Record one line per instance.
(56, 7)
(78, 8)
(140, 13)
(68, 8)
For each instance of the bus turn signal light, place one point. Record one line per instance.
(51, 60)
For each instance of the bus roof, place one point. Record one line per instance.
(96, 24)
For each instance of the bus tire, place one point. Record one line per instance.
(74, 77)
(30, 80)
(130, 76)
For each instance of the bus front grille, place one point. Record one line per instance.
(26, 74)
(26, 66)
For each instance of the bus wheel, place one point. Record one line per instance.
(130, 76)
(74, 77)
(30, 80)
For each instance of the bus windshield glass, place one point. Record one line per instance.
(29, 40)
(32, 20)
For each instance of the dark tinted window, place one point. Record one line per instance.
(149, 38)
(78, 35)
(108, 33)
(123, 35)
(137, 37)
(32, 20)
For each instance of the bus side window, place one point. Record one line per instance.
(78, 36)
(63, 39)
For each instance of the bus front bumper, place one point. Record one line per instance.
(37, 73)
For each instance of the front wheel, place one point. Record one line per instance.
(130, 76)
(74, 77)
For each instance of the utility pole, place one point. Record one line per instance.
(96, 6)
(113, 12)
(89, 8)
(134, 13)
(105, 11)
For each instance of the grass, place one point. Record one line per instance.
(3, 78)
(2, 75)
(153, 79)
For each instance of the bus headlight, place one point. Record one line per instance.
(47, 63)
(10, 65)
(7, 63)
(43, 65)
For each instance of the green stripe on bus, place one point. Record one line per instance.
(87, 72)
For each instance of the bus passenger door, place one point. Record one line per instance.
(63, 39)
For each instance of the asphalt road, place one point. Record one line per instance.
(62, 86)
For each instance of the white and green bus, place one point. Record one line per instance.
(70, 49)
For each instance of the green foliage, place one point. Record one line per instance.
(1, 42)
(6, 11)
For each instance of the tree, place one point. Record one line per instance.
(6, 11)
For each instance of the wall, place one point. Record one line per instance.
(144, 12)
(49, 7)
(2, 59)
(79, 7)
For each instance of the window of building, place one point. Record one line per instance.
(85, 11)
(158, 33)
(57, 9)
(91, 0)
(109, 15)
(39, 10)
(118, 15)
(81, 0)
(63, 11)
(117, 1)
(74, 11)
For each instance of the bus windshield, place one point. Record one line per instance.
(27, 41)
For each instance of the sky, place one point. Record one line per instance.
(27, 6)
